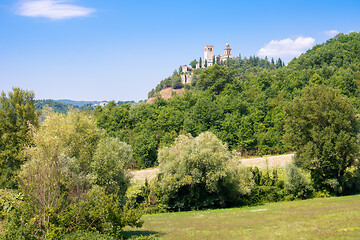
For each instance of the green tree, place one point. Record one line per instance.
(110, 160)
(17, 113)
(75, 179)
(215, 78)
(200, 173)
(323, 127)
(193, 63)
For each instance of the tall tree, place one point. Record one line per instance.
(322, 126)
(17, 113)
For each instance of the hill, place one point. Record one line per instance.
(55, 105)
(241, 102)
(77, 103)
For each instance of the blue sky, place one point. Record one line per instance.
(120, 50)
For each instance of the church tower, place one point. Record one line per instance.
(227, 53)
(209, 55)
(227, 50)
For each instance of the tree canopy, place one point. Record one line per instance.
(322, 125)
(17, 114)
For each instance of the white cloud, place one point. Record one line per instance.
(53, 9)
(331, 33)
(286, 47)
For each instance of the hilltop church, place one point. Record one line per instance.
(209, 60)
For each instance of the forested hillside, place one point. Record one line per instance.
(242, 102)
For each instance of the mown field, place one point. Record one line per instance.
(325, 218)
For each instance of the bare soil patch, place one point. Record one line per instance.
(167, 93)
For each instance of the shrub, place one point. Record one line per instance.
(199, 173)
(296, 183)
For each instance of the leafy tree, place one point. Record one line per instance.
(145, 149)
(17, 113)
(74, 179)
(193, 63)
(110, 159)
(200, 173)
(322, 126)
(215, 78)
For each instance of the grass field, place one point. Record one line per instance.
(326, 218)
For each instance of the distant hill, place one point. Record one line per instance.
(55, 105)
(77, 103)
(64, 105)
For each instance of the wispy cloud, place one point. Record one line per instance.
(52, 9)
(286, 47)
(330, 33)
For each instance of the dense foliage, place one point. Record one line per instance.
(17, 113)
(74, 180)
(200, 173)
(323, 127)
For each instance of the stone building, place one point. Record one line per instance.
(186, 75)
(186, 78)
(208, 56)
(227, 53)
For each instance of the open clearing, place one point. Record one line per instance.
(326, 218)
(261, 162)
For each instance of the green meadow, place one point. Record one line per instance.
(322, 218)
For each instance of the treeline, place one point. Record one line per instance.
(62, 107)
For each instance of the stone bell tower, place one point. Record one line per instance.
(227, 53)
(209, 55)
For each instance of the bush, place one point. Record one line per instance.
(198, 173)
(296, 183)
(86, 235)
(9, 199)
(268, 187)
